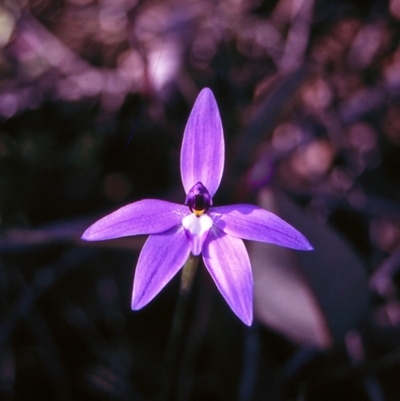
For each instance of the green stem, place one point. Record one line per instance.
(170, 371)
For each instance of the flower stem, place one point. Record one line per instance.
(170, 370)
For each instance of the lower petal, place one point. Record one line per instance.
(160, 259)
(228, 263)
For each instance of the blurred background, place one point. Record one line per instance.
(94, 97)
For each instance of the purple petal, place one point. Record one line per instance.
(256, 224)
(148, 216)
(203, 149)
(160, 259)
(228, 263)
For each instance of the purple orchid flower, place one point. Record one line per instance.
(198, 227)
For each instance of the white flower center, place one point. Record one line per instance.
(197, 225)
(197, 229)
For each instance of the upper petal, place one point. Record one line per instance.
(147, 216)
(203, 149)
(160, 259)
(256, 224)
(228, 263)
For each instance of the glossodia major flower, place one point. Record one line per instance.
(198, 227)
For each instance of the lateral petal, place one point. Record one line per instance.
(253, 223)
(148, 216)
(160, 259)
(228, 263)
(203, 148)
